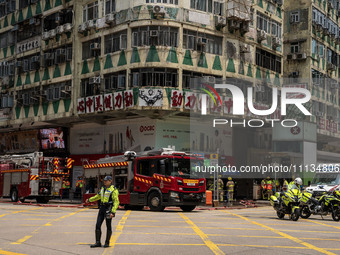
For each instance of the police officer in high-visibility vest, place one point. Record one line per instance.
(285, 185)
(109, 202)
(230, 188)
(296, 184)
(263, 188)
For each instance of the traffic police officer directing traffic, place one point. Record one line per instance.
(108, 196)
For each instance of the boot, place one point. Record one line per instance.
(98, 236)
(108, 237)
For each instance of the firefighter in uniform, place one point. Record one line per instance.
(230, 189)
(79, 186)
(263, 188)
(269, 184)
(220, 188)
(109, 202)
(65, 188)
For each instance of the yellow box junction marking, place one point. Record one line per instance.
(323, 224)
(2, 215)
(294, 239)
(213, 247)
(2, 252)
(20, 241)
(117, 233)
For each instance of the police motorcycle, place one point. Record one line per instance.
(328, 203)
(287, 203)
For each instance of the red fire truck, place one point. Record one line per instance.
(154, 178)
(32, 176)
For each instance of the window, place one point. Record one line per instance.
(267, 60)
(321, 50)
(207, 6)
(163, 1)
(155, 35)
(317, 78)
(263, 22)
(23, 3)
(115, 42)
(28, 31)
(58, 90)
(90, 11)
(110, 6)
(7, 6)
(6, 39)
(87, 89)
(115, 80)
(276, 29)
(295, 17)
(295, 47)
(88, 52)
(144, 167)
(332, 57)
(213, 44)
(189, 77)
(154, 77)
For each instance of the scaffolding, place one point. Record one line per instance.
(239, 10)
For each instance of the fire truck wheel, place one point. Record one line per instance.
(187, 208)
(14, 195)
(155, 202)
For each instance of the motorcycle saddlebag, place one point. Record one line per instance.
(273, 200)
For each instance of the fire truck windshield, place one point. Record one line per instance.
(183, 167)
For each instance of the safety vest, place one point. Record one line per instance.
(66, 184)
(79, 184)
(107, 195)
(230, 186)
(269, 184)
(263, 184)
(292, 185)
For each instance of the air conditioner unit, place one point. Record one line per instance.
(91, 24)
(110, 18)
(67, 89)
(261, 35)
(330, 67)
(45, 35)
(294, 74)
(158, 10)
(52, 33)
(210, 79)
(67, 27)
(82, 28)
(60, 29)
(276, 42)
(221, 21)
(95, 80)
(234, 24)
(244, 48)
(245, 26)
(319, 114)
(95, 46)
(5, 80)
(153, 33)
(202, 41)
(301, 56)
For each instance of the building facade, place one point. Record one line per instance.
(89, 65)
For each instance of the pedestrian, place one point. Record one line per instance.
(79, 186)
(263, 188)
(65, 188)
(230, 189)
(269, 186)
(109, 202)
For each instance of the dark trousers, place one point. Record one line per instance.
(101, 217)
